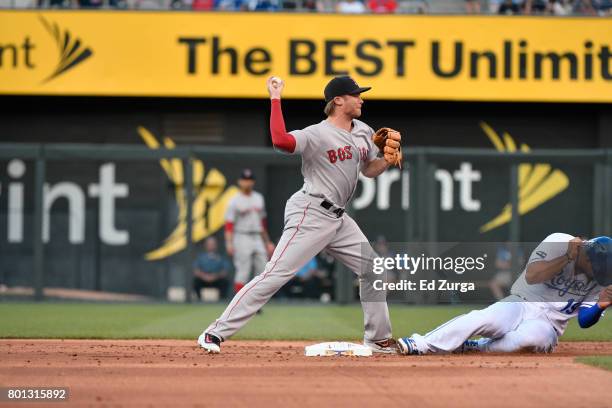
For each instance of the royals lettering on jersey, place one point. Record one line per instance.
(561, 296)
(332, 158)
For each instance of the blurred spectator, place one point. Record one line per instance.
(494, 6)
(309, 282)
(211, 269)
(351, 7)
(312, 5)
(560, 7)
(603, 7)
(537, 7)
(263, 5)
(180, 4)
(381, 246)
(18, 4)
(326, 6)
(382, 6)
(57, 3)
(510, 7)
(302, 5)
(584, 7)
(90, 4)
(203, 5)
(232, 5)
(413, 6)
(502, 281)
(472, 6)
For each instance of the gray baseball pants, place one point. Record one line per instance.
(309, 228)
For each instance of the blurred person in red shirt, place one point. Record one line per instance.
(203, 5)
(382, 6)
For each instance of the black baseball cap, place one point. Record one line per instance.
(247, 174)
(343, 85)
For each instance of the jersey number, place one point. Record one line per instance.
(570, 307)
(342, 154)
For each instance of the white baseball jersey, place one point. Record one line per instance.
(562, 295)
(332, 158)
(246, 212)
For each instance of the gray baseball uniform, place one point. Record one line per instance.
(246, 213)
(315, 220)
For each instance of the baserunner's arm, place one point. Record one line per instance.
(589, 315)
(541, 271)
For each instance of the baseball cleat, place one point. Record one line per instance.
(469, 345)
(407, 346)
(210, 343)
(388, 346)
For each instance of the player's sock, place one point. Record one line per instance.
(238, 286)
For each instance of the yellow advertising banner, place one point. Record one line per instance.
(229, 55)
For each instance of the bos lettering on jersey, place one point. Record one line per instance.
(345, 153)
(341, 153)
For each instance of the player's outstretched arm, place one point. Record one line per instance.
(280, 138)
(275, 87)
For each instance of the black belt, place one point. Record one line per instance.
(327, 205)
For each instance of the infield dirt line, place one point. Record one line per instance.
(255, 373)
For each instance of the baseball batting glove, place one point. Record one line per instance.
(388, 142)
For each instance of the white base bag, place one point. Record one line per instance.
(337, 348)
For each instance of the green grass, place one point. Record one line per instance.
(279, 321)
(604, 362)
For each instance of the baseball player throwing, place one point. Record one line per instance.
(565, 277)
(334, 152)
(246, 233)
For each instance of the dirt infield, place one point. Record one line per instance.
(105, 373)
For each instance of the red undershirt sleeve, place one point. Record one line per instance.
(280, 138)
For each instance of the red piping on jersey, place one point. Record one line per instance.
(280, 138)
(229, 226)
(264, 275)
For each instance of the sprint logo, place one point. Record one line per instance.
(538, 183)
(208, 207)
(71, 51)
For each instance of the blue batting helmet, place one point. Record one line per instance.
(599, 251)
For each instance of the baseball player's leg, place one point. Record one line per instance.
(351, 247)
(493, 322)
(536, 335)
(260, 255)
(242, 260)
(306, 233)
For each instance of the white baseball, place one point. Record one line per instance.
(276, 81)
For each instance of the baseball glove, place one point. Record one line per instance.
(388, 142)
